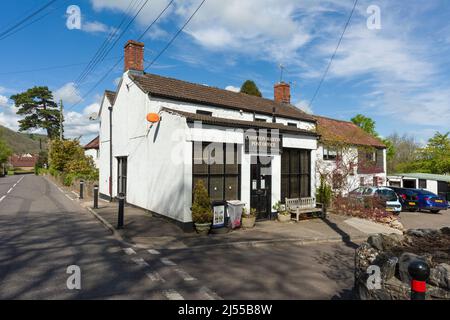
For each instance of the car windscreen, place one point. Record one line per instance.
(387, 194)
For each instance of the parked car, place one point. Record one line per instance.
(430, 201)
(387, 196)
(408, 198)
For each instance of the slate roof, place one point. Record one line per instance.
(344, 131)
(179, 90)
(205, 119)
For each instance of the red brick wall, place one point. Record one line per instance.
(134, 56)
(282, 92)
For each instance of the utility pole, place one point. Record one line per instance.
(61, 110)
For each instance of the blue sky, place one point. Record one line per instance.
(399, 75)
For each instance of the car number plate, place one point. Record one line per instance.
(412, 203)
(389, 209)
(439, 201)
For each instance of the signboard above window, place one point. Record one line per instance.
(263, 142)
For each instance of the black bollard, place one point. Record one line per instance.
(81, 189)
(121, 199)
(95, 197)
(419, 272)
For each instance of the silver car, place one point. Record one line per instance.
(387, 195)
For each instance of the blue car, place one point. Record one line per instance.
(430, 201)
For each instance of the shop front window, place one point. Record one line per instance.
(295, 173)
(218, 166)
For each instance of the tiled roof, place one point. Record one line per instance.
(174, 89)
(23, 160)
(94, 144)
(332, 130)
(111, 95)
(205, 119)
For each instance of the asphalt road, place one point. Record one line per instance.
(43, 232)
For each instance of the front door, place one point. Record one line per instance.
(260, 186)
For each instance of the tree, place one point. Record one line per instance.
(365, 123)
(405, 150)
(249, 87)
(5, 152)
(39, 109)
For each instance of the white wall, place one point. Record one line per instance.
(103, 161)
(94, 154)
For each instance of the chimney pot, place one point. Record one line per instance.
(282, 92)
(134, 56)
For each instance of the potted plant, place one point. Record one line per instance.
(202, 215)
(283, 214)
(248, 219)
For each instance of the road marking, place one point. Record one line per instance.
(155, 276)
(183, 274)
(153, 251)
(208, 294)
(173, 295)
(68, 197)
(74, 193)
(168, 262)
(140, 262)
(1, 199)
(129, 251)
(9, 190)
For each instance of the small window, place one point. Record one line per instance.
(204, 113)
(330, 153)
(260, 120)
(292, 124)
(371, 156)
(422, 184)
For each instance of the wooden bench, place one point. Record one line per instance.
(308, 206)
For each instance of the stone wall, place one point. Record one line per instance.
(393, 254)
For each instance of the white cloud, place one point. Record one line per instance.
(304, 106)
(8, 116)
(95, 27)
(78, 124)
(3, 101)
(233, 88)
(68, 93)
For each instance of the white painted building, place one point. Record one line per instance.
(436, 183)
(346, 151)
(203, 133)
(92, 150)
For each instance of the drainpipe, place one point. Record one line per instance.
(110, 154)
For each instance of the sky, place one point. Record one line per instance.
(395, 69)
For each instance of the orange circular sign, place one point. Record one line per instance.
(153, 117)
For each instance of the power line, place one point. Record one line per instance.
(121, 58)
(18, 24)
(333, 56)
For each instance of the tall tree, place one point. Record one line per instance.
(39, 109)
(365, 123)
(406, 150)
(5, 152)
(249, 87)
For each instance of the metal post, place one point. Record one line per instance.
(419, 272)
(121, 199)
(81, 189)
(95, 197)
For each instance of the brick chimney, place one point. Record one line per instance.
(134, 56)
(282, 92)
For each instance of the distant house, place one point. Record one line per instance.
(436, 183)
(349, 155)
(93, 149)
(23, 161)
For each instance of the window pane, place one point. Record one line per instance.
(294, 161)
(284, 187)
(231, 159)
(231, 188)
(216, 188)
(216, 161)
(304, 161)
(285, 162)
(294, 186)
(304, 186)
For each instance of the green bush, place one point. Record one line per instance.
(324, 193)
(201, 208)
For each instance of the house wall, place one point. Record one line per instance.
(104, 147)
(349, 156)
(94, 154)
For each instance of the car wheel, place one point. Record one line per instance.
(434, 211)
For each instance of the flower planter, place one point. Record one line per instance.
(284, 218)
(202, 228)
(248, 222)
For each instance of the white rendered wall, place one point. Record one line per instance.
(103, 161)
(93, 153)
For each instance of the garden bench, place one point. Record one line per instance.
(308, 206)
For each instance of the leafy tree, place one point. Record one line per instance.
(39, 109)
(201, 207)
(5, 152)
(405, 150)
(249, 87)
(365, 123)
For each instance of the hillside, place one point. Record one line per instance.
(22, 142)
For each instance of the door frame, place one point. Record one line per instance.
(268, 186)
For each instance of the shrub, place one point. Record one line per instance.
(324, 193)
(201, 208)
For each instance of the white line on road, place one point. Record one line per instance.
(155, 276)
(168, 262)
(9, 190)
(173, 295)
(1, 199)
(183, 274)
(129, 251)
(153, 251)
(68, 197)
